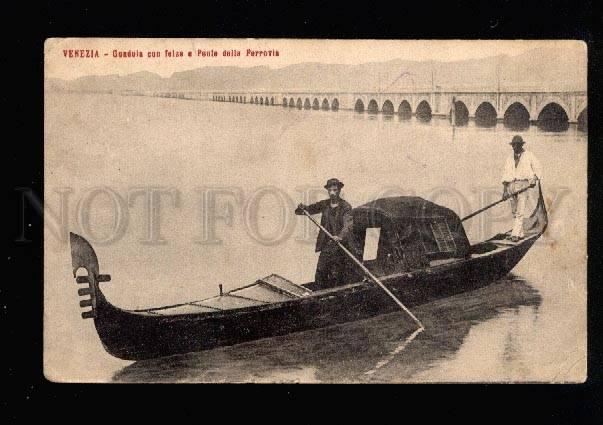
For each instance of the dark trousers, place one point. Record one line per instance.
(335, 268)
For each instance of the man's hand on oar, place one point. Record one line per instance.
(505, 196)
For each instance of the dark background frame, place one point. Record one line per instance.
(22, 292)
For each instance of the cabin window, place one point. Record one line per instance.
(443, 236)
(371, 243)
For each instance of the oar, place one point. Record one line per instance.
(367, 272)
(504, 198)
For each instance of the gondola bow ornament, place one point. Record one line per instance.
(83, 256)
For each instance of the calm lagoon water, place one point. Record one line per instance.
(530, 326)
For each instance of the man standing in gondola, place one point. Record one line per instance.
(334, 267)
(521, 170)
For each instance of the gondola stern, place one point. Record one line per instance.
(539, 219)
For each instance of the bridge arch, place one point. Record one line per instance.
(261, 100)
(256, 100)
(547, 101)
(373, 107)
(299, 103)
(405, 110)
(359, 106)
(291, 102)
(335, 105)
(461, 113)
(485, 115)
(582, 120)
(307, 104)
(285, 102)
(325, 104)
(516, 117)
(423, 111)
(315, 104)
(388, 108)
(553, 118)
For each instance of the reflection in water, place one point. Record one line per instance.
(401, 347)
(364, 351)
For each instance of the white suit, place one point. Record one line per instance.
(518, 177)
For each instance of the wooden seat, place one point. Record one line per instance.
(282, 285)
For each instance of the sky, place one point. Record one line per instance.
(351, 52)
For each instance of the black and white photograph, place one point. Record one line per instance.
(315, 211)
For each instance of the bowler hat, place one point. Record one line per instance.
(333, 182)
(517, 140)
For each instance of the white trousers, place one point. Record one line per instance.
(518, 206)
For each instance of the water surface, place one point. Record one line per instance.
(529, 326)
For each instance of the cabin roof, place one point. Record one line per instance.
(414, 226)
(405, 207)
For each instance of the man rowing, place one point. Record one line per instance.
(521, 170)
(334, 267)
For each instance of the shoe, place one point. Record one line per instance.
(514, 239)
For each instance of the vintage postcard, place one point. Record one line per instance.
(315, 211)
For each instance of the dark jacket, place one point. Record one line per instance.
(343, 220)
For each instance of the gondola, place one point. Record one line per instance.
(422, 254)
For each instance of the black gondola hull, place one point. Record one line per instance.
(136, 336)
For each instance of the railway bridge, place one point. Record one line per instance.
(550, 110)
